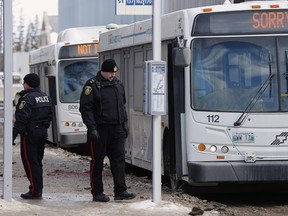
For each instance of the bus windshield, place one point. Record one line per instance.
(72, 76)
(227, 73)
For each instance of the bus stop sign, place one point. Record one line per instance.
(155, 87)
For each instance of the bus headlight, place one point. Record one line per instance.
(224, 149)
(213, 148)
(73, 124)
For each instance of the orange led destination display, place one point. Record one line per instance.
(79, 50)
(270, 20)
(242, 22)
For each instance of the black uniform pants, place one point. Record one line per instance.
(112, 144)
(32, 153)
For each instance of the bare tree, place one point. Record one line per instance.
(19, 35)
(32, 36)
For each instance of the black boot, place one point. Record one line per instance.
(124, 196)
(101, 198)
(29, 195)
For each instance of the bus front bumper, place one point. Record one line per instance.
(70, 139)
(235, 171)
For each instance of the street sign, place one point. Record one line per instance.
(134, 7)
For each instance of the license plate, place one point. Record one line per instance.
(243, 138)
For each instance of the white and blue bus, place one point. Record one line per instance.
(227, 105)
(64, 67)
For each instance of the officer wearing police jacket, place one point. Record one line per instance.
(102, 106)
(32, 118)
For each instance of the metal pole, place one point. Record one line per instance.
(156, 172)
(7, 100)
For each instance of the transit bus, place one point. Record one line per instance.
(64, 67)
(227, 92)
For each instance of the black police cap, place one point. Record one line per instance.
(32, 80)
(109, 65)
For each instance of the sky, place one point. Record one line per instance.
(32, 7)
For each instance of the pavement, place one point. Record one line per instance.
(67, 191)
(69, 204)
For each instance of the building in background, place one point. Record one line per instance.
(77, 13)
(48, 30)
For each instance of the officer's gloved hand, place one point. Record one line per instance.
(93, 135)
(126, 129)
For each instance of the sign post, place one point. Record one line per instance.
(156, 46)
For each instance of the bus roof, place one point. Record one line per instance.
(83, 33)
(175, 24)
(68, 37)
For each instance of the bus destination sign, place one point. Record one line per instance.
(79, 50)
(269, 21)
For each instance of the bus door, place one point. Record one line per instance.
(172, 145)
(52, 131)
(48, 85)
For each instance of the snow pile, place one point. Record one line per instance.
(148, 205)
(15, 206)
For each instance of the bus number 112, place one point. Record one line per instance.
(213, 118)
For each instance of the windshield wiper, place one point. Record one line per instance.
(253, 101)
(286, 74)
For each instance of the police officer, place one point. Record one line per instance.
(102, 106)
(32, 118)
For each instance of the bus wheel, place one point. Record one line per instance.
(169, 166)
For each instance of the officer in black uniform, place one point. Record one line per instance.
(102, 106)
(32, 118)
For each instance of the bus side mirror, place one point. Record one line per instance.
(49, 71)
(181, 56)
